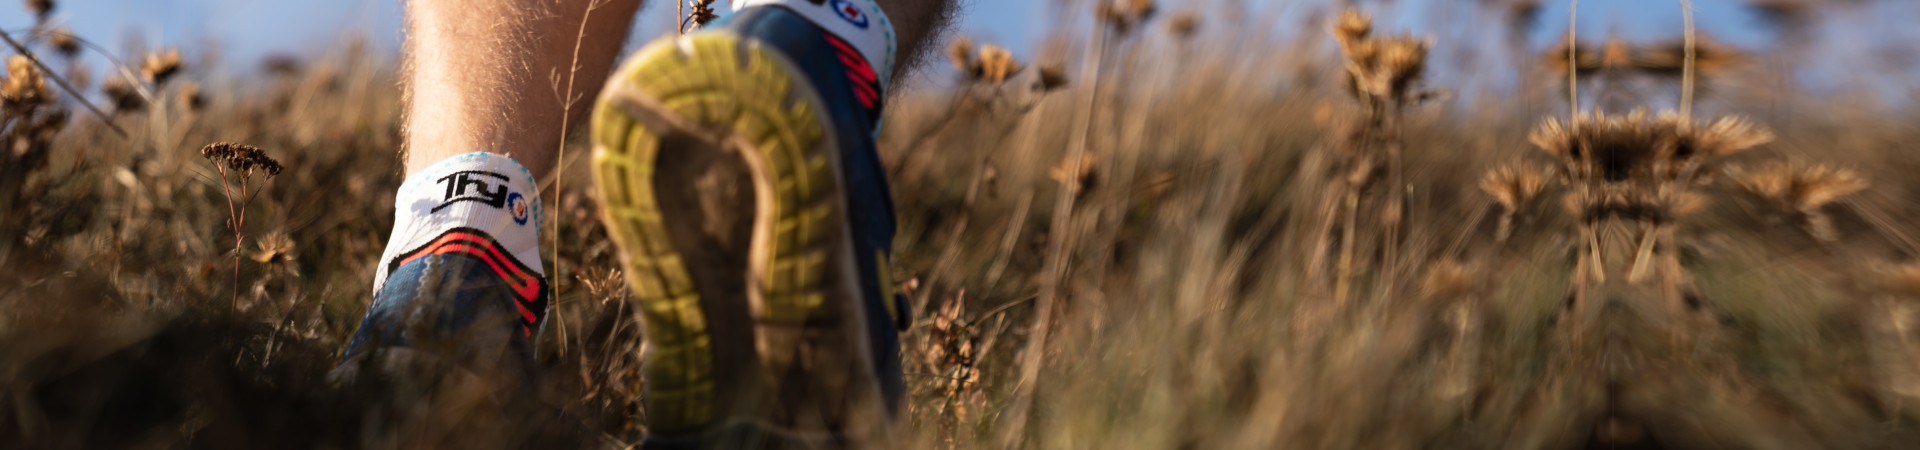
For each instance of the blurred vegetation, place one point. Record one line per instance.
(1296, 241)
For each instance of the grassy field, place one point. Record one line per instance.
(1163, 235)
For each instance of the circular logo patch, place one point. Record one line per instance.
(853, 14)
(518, 205)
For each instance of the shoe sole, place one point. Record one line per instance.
(700, 143)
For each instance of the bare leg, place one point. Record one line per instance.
(482, 74)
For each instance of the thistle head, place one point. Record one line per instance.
(25, 88)
(1183, 25)
(1616, 148)
(40, 8)
(1513, 187)
(960, 52)
(1354, 26)
(1385, 68)
(1123, 15)
(996, 64)
(64, 42)
(125, 96)
(161, 66)
(1803, 188)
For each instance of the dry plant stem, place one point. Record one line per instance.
(233, 218)
(1573, 64)
(1007, 242)
(567, 100)
(1343, 279)
(1015, 418)
(49, 73)
(1686, 68)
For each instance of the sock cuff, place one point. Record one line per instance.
(859, 22)
(482, 196)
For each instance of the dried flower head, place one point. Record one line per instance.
(25, 88)
(40, 8)
(960, 52)
(996, 64)
(700, 13)
(125, 96)
(1354, 26)
(1586, 58)
(1614, 148)
(1523, 14)
(1123, 15)
(1052, 77)
(1183, 25)
(1380, 68)
(281, 65)
(1668, 59)
(1086, 174)
(1513, 186)
(64, 42)
(190, 97)
(1802, 191)
(274, 248)
(161, 66)
(241, 159)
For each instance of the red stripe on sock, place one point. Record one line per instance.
(526, 285)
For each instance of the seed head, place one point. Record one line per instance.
(190, 97)
(241, 159)
(1614, 148)
(125, 96)
(1123, 15)
(960, 52)
(161, 66)
(996, 63)
(1354, 26)
(1052, 77)
(1668, 59)
(1183, 25)
(274, 248)
(1586, 59)
(1380, 68)
(1513, 186)
(1725, 136)
(25, 88)
(700, 13)
(40, 8)
(64, 42)
(1802, 190)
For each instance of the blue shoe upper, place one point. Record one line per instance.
(460, 291)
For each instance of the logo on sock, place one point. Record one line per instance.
(517, 204)
(851, 13)
(472, 186)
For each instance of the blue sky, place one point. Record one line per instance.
(246, 30)
(243, 31)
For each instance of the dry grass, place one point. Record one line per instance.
(1512, 281)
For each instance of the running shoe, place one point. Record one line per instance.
(737, 173)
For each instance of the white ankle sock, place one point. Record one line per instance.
(479, 203)
(859, 22)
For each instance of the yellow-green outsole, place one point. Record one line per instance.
(712, 85)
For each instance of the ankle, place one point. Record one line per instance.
(482, 204)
